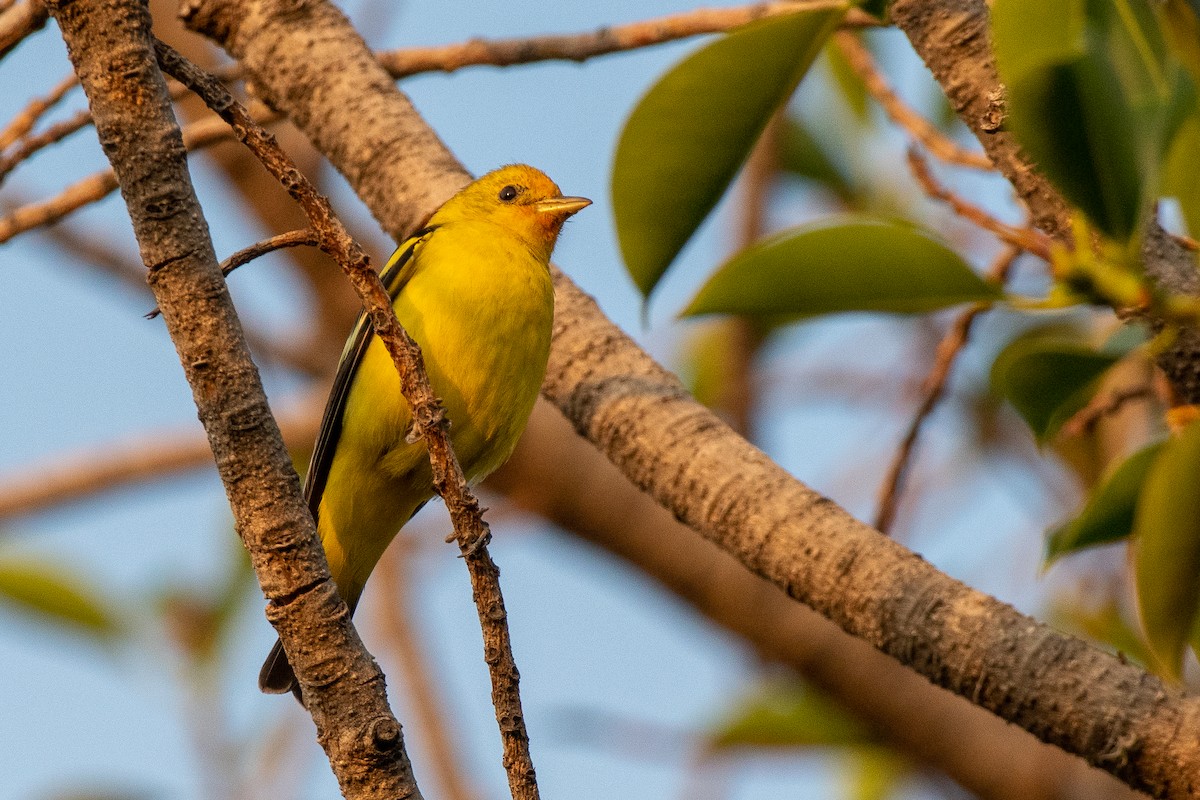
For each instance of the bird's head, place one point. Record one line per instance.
(519, 198)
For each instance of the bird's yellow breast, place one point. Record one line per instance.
(480, 305)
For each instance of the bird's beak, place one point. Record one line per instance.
(562, 206)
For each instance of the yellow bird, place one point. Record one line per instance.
(473, 289)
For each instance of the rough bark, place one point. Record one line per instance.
(111, 48)
(309, 63)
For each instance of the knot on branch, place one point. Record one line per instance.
(1120, 752)
(383, 734)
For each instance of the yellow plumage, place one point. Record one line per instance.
(473, 289)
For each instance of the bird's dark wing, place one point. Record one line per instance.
(394, 276)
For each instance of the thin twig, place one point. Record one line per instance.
(32, 144)
(71, 477)
(20, 21)
(1101, 406)
(99, 185)
(904, 115)
(1029, 239)
(447, 58)
(583, 46)
(95, 251)
(305, 237)
(429, 421)
(27, 117)
(933, 389)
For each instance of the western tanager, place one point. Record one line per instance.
(473, 289)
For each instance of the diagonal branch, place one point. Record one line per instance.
(110, 46)
(1059, 688)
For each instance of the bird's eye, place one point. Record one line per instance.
(509, 193)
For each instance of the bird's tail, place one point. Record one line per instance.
(276, 676)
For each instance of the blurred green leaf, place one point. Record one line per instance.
(1167, 549)
(875, 772)
(1094, 97)
(56, 595)
(846, 81)
(788, 714)
(689, 135)
(1108, 514)
(847, 263)
(1181, 26)
(1048, 378)
(802, 155)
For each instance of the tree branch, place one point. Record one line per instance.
(1055, 686)
(110, 46)
(20, 21)
(610, 39)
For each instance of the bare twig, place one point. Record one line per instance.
(99, 185)
(306, 237)
(25, 119)
(583, 46)
(1029, 239)
(32, 144)
(921, 129)
(429, 421)
(1104, 405)
(933, 389)
(20, 21)
(447, 58)
(72, 477)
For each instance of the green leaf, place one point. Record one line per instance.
(1108, 514)
(848, 263)
(1094, 97)
(1181, 25)
(1048, 378)
(846, 81)
(52, 593)
(1167, 549)
(803, 156)
(686, 139)
(788, 714)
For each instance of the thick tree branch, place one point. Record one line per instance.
(1057, 687)
(560, 476)
(110, 46)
